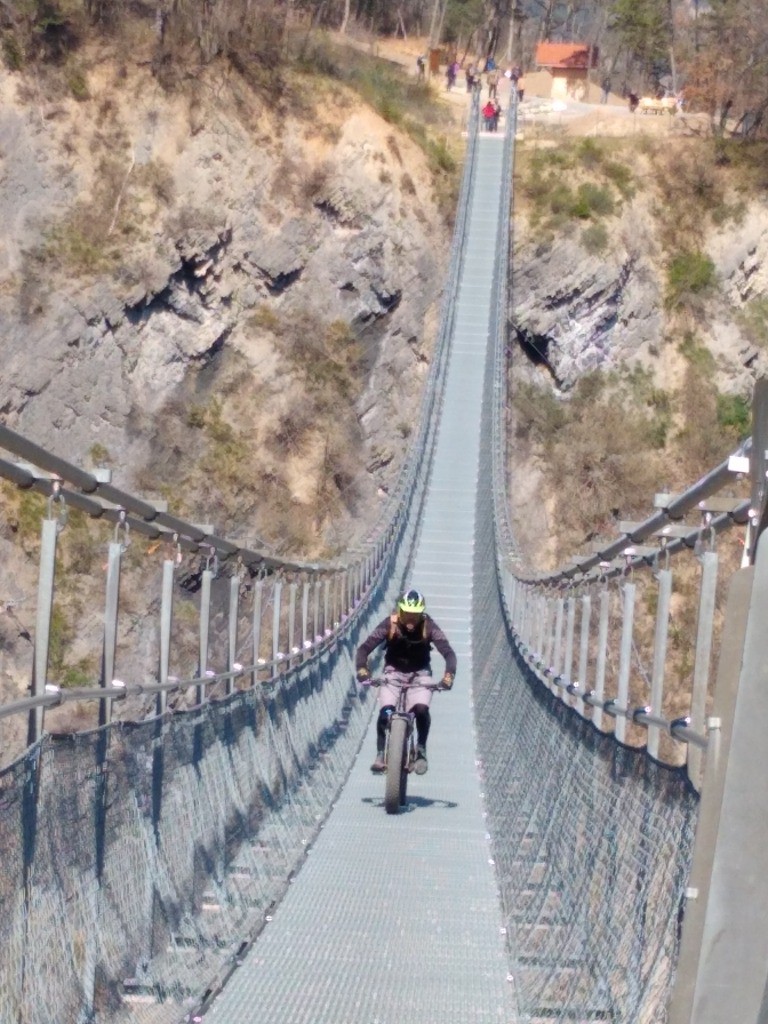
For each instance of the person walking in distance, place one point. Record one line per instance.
(489, 116)
(408, 636)
(493, 83)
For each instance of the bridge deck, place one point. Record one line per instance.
(397, 918)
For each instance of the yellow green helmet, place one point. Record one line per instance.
(412, 601)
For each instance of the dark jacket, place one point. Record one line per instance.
(404, 651)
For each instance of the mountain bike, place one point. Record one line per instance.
(400, 749)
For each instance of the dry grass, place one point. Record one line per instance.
(617, 438)
(291, 475)
(617, 434)
(607, 439)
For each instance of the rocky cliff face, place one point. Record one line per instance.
(574, 311)
(232, 304)
(698, 349)
(165, 252)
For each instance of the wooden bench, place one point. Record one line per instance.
(649, 105)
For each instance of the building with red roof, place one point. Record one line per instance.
(569, 65)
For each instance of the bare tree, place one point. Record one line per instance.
(345, 17)
(642, 29)
(495, 14)
(728, 73)
(544, 14)
(438, 13)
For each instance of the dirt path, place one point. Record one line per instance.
(537, 113)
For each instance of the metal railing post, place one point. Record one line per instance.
(234, 611)
(514, 587)
(532, 618)
(166, 621)
(277, 597)
(292, 588)
(557, 662)
(111, 607)
(339, 593)
(701, 668)
(664, 580)
(525, 600)
(205, 624)
(258, 601)
(304, 618)
(569, 633)
(541, 625)
(586, 616)
(316, 630)
(602, 654)
(625, 659)
(49, 533)
(549, 633)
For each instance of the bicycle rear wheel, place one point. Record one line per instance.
(396, 780)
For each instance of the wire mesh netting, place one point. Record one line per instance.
(592, 843)
(140, 859)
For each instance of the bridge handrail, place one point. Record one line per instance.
(674, 509)
(542, 608)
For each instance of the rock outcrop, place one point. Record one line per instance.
(231, 304)
(573, 311)
(159, 250)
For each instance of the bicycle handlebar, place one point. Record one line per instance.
(403, 685)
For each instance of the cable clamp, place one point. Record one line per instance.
(212, 561)
(173, 549)
(705, 540)
(122, 526)
(57, 498)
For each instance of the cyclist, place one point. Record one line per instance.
(408, 636)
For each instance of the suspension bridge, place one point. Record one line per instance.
(573, 854)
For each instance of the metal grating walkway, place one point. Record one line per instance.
(397, 919)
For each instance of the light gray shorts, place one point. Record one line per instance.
(388, 695)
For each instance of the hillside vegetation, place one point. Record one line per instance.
(290, 411)
(141, 193)
(220, 283)
(665, 409)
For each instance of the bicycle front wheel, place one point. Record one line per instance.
(395, 783)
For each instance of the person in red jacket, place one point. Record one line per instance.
(408, 636)
(489, 116)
